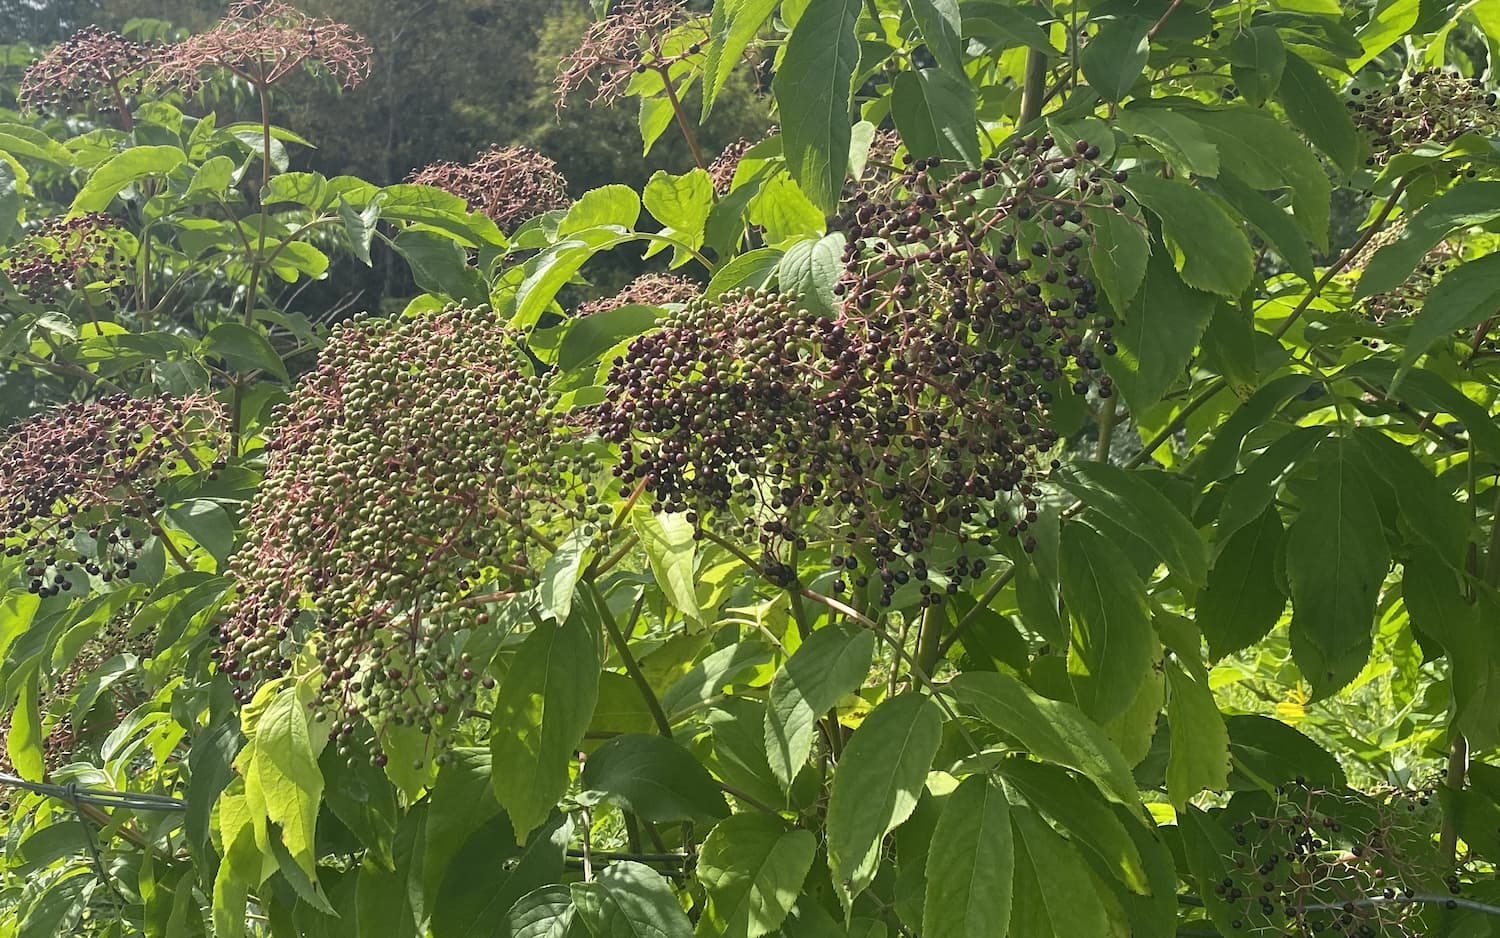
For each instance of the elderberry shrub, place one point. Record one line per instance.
(908, 427)
(415, 473)
(80, 484)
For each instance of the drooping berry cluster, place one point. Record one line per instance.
(1434, 107)
(262, 42)
(645, 290)
(909, 423)
(724, 166)
(1316, 862)
(635, 36)
(1405, 300)
(509, 184)
(79, 484)
(416, 474)
(65, 252)
(94, 69)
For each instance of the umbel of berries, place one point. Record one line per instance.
(908, 426)
(81, 484)
(418, 475)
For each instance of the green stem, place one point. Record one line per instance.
(681, 116)
(1033, 88)
(1108, 418)
(1344, 260)
(632, 667)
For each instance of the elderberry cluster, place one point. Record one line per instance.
(908, 427)
(1434, 106)
(92, 69)
(63, 253)
(1313, 862)
(417, 477)
(80, 484)
(1406, 299)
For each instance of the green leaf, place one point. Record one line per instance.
(1055, 896)
(1267, 154)
(1316, 110)
(1118, 252)
(810, 269)
(213, 177)
(941, 27)
(1434, 599)
(934, 111)
(709, 676)
(814, 89)
(1110, 652)
(1009, 24)
(1116, 55)
(682, 203)
(1391, 20)
(541, 712)
(669, 545)
(1177, 137)
(1222, 455)
(1276, 227)
(752, 868)
(114, 174)
(1336, 560)
(1050, 730)
(1470, 203)
(23, 743)
(591, 336)
(630, 900)
(734, 24)
(1267, 752)
(27, 142)
(462, 800)
(490, 873)
(1209, 249)
(606, 205)
(882, 771)
(359, 226)
(551, 270)
(751, 271)
(1466, 296)
(1092, 823)
(1242, 600)
(544, 913)
(1127, 498)
(1257, 59)
(1200, 743)
(282, 780)
(439, 264)
(970, 865)
(559, 578)
(834, 661)
(1429, 512)
(208, 524)
(1209, 848)
(785, 213)
(653, 777)
(243, 348)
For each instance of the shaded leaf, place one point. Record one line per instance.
(834, 661)
(971, 864)
(653, 777)
(752, 868)
(879, 777)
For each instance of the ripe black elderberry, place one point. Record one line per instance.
(417, 473)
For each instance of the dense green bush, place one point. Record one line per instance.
(1003, 508)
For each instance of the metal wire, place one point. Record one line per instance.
(104, 798)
